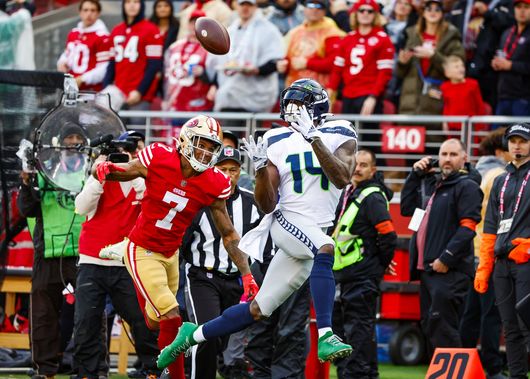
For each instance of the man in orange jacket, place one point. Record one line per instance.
(505, 249)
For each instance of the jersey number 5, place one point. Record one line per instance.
(180, 204)
(296, 171)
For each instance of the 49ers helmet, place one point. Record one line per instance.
(191, 145)
(306, 92)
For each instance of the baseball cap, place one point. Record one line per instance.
(521, 130)
(246, 1)
(131, 134)
(317, 4)
(229, 153)
(439, 2)
(359, 3)
(515, 2)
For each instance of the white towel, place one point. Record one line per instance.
(253, 243)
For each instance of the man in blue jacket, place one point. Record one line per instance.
(445, 209)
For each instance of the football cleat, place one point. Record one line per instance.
(331, 347)
(181, 344)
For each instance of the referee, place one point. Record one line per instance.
(213, 281)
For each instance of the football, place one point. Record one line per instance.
(212, 35)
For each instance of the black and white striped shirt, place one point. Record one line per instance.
(202, 245)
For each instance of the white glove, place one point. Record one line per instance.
(114, 252)
(256, 151)
(305, 126)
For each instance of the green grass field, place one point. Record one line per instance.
(385, 371)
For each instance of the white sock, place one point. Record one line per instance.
(321, 332)
(198, 336)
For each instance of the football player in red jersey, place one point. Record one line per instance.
(136, 58)
(179, 182)
(87, 52)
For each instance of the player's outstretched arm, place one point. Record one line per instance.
(338, 166)
(266, 191)
(230, 236)
(122, 172)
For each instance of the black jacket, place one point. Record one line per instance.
(378, 248)
(521, 223)
(513, 84)
(458, 197)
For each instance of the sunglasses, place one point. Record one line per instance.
(433, 8)
(366, 10)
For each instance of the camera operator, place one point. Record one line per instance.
(111, 209)
(445, 209)
(55, 231)
(505, 248)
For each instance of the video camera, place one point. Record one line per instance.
(113, 148)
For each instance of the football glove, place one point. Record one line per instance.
(105, 168)
(250, 288)
(115, 252)
(305, 126)
(486, 262)
(256, 151)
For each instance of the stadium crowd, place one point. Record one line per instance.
(433, 57)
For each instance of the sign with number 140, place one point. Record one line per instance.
(403, 139)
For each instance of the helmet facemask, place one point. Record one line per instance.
(293, 97)
(200, 144)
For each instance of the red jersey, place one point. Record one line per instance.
(132, 46)
(185, 92)
(461, 99)
(364, 64)
(171, 201)
(87, 54)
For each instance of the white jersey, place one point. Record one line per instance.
(304, 188)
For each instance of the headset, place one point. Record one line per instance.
(505, 137)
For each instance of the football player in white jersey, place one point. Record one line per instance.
(305, 166)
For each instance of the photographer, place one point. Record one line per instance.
(446, 209)
(55, 232)
(111, 209)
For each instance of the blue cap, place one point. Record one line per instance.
(131, 133)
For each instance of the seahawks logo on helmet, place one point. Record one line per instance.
(306, 92)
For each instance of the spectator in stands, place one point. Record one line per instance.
(131, 77)
(163, 17)
(247, 80)
(55, 229)
(461, 96)
(447, 210)
(86, 56)
(213, 279)
(398, 21)
(505, 246)
(216, 9)
(363, 65)
(420, 64)
(365, 241)
(481, 319)
(186, 85)
(111, 209)
(482, 23)
(311, 46)
(512, 62)
(286, 14)
(339, 10)
(16, 34)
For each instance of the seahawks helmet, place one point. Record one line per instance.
(191, 142)
(306, 92)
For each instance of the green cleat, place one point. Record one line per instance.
(182, 342)
(331, 347)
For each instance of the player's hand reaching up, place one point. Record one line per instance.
(256, 151)
(305, 126)
(105, 168)
(250, 288)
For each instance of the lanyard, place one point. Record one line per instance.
(519, 195)
(509, 50)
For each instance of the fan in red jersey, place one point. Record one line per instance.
(87, 52)
(179, 182)
(364, 64)
(136, 58)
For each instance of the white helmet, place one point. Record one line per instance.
(191, 142)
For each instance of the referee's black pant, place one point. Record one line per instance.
(512, 283)
(209, 294)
